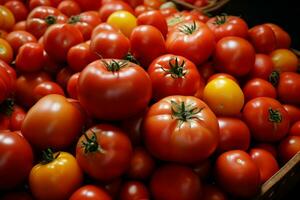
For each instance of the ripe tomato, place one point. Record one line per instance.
(234, 162)
(16, 118)
(283, 40)
(46, 88)
(206, 70)
(55, 168)
(72, 85)
(90, 192)
(52, 122)
(234, 134)
(18, 9)
(134, 190)
(191, 39)
(293, 112)
(11, 116)
(175, 182)
(123, 20)
(263, 67)
(223, 26)
(295, 129)
(89, 4)
(17, 38)
(6, 51)
(271, 148)
(63, 77)
(288, 88)
(262, 38)
(69, 8)
(124, 88)
(211, 192)
(234, 55)
(173, 75)
(104, 152)
(20, 26)
(36, 3)
(186, 117)
(284, 60)
(267, 119)
(224, 96)
(266, 163)
(103, 27)
(258, 87)
(167, 12)
(155, 4)
(7, 19)
(16, 159)
(289, 147)
(110, 7)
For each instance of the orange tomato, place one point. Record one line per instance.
(284, 60)
(6, 52)
(7, 19)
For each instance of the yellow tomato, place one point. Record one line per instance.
(7, 19)
(6, 52)
(224, 96)
(284, 60)
(123, 20)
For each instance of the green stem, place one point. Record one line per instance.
(184, 112)
(50, 19)
(188, 29)
(177, 70)
(48, 156)
(274, 116)
(114, 66)
(91, 144)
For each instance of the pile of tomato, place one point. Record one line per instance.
(136, 100)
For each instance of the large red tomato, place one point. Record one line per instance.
(263, 67)
(258, 87)
(262, 38)
(288, 88)
(283, 39)
(293, 112)
(17, 38)
(90, 192)
(123, 89)
(185, 125)
(69, 8)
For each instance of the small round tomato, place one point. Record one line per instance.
(123, 20)
(7, 19)
(20, 26)
(284, 60)
(155, 4)
(231, 163)
(54, 168)
(288, 88)
(258, 87)
(295, 129)
(271, 148)
(262, 38)
(167, 12)
(211, 192)
(46, 88)
(289, 147)
(224, 96)
(36, 3)
(17, 38)
(110, 7)
(263, 67)
(89, 4)
(90, 192)
(6, 51)
(18, 9)
(266, 163)
(69, 7)
(102, 27)
(17, 117)
(16, 159)
(283, 39)
(175, 182)
(293, 112)
(222, 75)
(134, 190)
(63, 77)
(72, 86)
(267, 119)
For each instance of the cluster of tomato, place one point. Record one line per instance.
(132, 100)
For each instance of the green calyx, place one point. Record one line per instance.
(220, 19)
(184, 112)
(274, 78)
(274, 116)
(74, 19)
(114, 65)
(129, 57)
(177, 70)
(50, 19)
(188, 29)
(48, 156)
(91, 144)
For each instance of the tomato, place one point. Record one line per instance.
(134, 190)
(191, 39)
(124, 88)
(17, 196)
(289, 147)
(85, 22)
(211, 192)
(49, 174)
(288, 88)
(258, 87)
(234, 55)
(46, 88)
(18, 9)
(90, 192)
(155, 4)
(180, 17)
(72, 86)
(123, 20)
(3, 34)
(263, 67)
(166, 12)
(17, 117)
(30, 57)
(102, 27)
(134, 3)
(154, 18)
(20, 26)
(7, 80)
(234, 134)
(142, 39)
(284, 60)
(266, 163)
(89, 4)
(141, 9)
(295, 129)
(224, 96)
(59, 38)
(293, 112)
(110, 44)
(234, 162)
(175, 182)
(262, 38)
(113, 187)
(266, 118)
(69, 8)
(7, 19)
(173, 75)
(16, 159)
(63, 77)
(6, 51)
(11, 116)
(104, 152)
(283, 39)
(110, 7)
(36, 3)
(222, 75)
(185, 117)
(52, 122)
(17, 38)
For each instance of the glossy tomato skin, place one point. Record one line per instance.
(271, 148)
(258, 88)
(288, 88)
(18, 9)
(110, 7)
(267, 119)
(175, 182)
(293, 112)
(6, 53)
(295, 129)
(123, 20)
(72, 86)
(234, 55)
(89, 4)
(262, 38)
(134, 190)
(175, 130)
(46, 88)
(69, 8)
(49, 175)
(247, 183)
(196, 46)
(16, 160)
(173, 75)
(17, 38)
(289, 147)
(283, 39)
(7, 18)
(16, 118)
(211, 192)
(90, 192)
(110, 156)
(263, 67)
(54, 111)
(102, 27)
(284, 60)
(124, 92)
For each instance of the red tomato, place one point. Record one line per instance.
(234, 135)
(191, 39)
(231, 163)
(266, 118)
(16, 160)
(69, 8)
(289, 147)
(295, 129)
(102, 27)
(18, 9)
(104, 152)
(11, 116)
(173, 75)
(288, 88)
(113, 187)
(262, 38)
(258, 87)
(263, 67)
(211, 192)
(293, 112)
(89, 4)
(20, 26)
(4, 122)
(266, 163)
(46, 88)
(223, 26)
(186, 117)
(134, 190)
(124, 88)
(283, 40)
(17, 117)
(17, 38)
(268, 147)
(141, 9)
(63, 77)
(110, 7)
(72, 86)
(90, 192)
(52, 122)
(234, 55)
(166, 12)
(36, 3)
(175, 182)
(8, 80)
(59, 38)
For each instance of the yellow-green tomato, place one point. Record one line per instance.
(224, 97)
(123, 20)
